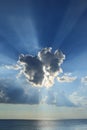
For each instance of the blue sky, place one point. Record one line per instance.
(34, 80)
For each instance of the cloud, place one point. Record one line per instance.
(13, 92)
(78, 99)
(3, 98)
(84, 80)
(66, 78)
(58, 98)
(13, 67)
(41, 70)
(63, 100)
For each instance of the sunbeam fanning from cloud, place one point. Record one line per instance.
(26, 33)
(21, 37)
(40, 70)
(69, 20)
(6, 60)
(43, 52)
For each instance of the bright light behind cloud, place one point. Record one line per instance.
(38, 82)
(40, 70)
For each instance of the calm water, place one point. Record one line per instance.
(43, 125)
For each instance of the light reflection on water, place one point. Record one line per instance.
(43, 125)
(62, 125)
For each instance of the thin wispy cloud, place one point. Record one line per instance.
(67, 78)
(84, 80)
(79, 96)
(78, 99)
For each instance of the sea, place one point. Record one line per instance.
(75, 124)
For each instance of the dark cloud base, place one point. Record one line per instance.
(41, 70)
(13, 93)
(36, 76)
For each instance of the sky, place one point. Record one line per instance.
(43, 52)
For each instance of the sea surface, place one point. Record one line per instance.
(80, 124)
